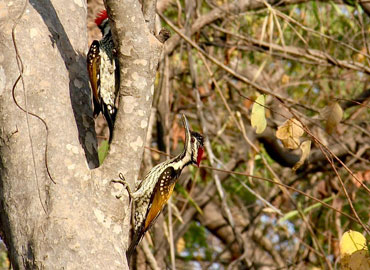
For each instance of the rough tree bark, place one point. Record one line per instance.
(76, 223)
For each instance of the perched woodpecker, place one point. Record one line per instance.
(103, 69)
(154, 191)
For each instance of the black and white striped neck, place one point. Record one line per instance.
(182, 160)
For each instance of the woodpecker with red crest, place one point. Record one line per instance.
(103, 69)
(154, 191)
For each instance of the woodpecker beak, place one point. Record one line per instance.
(188, 136)
(187, 131)
(200, 154)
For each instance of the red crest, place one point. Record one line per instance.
(200, 154)
(102, 15)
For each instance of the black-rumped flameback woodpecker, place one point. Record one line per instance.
(154, 191)
(103, 69)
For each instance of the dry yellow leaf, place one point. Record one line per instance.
(291, 143)
(258, 118)
(289, 133)
(359, 260)
(297, 129)
(282, 132)
(352, 241)
(247, 103)
(333, 114)
(353, 251)
(285, 79)
(269, 210)
(180, 245)
(360, 57)
(305, 148)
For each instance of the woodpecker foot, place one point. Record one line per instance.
(123, 182)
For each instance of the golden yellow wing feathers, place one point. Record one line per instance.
(93, 68)
(159, 201)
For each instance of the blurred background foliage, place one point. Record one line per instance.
(4, 261)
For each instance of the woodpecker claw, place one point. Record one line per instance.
(114, 52)
(123, 182)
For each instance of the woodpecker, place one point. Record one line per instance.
(103, 69)
(154, 191)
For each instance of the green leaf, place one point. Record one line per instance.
(316, 12)
(336, 7)
(183, 191)
(258, 117)
(103, 151)
(195, 238)
(294, 213)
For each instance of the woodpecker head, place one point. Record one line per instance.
(102, 22)
(193, 143)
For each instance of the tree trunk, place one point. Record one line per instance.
(76, 222)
